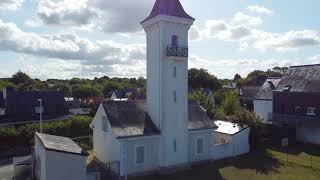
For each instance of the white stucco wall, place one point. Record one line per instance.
(308, 135)
(128, 147)
(58, 165)
(64, 166)
(208, 154)
(263, 108)
(106, 146)
(235, 145)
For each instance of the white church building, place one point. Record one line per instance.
(166, 130)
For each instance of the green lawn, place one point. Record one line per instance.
(262, 164)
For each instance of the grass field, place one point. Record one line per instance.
(262, 164)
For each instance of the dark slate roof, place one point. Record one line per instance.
(74, 104)
(20, 105)
(265, 91)
(60, 144)
(198, 118)
(121, 93)
(301, 79)
(169, 8)
(129, 119)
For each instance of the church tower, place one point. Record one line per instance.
(167, 29)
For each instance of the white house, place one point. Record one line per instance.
(230, 140)
(58, 157)
(263, 100)
(166, 130)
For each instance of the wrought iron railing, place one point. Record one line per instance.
(177, 51)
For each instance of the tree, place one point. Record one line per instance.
(201, 78)
(109, 87)
(230, 105)
(237, 77)
(21, 78)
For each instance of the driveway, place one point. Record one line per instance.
(6, 170)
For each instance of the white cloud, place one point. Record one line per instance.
(100, 57)
(285, 41)
(10, 4)
(243, 19)
(315, 59)
(242, 66)
(260, 9)
(104, 15)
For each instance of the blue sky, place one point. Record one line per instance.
(87, 38)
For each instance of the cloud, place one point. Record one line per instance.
(285, 41)
(245, 30)
(243, 19)
(242, 66)
(315, 59)
(99, 57)
(259, 9)
(103, 15)
(10, 4)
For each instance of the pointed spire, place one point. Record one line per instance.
(169, 8)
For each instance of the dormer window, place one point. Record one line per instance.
(174, 40)
(311, 111)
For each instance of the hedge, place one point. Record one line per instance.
(23, 135)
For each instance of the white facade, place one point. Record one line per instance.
(53, 165)
(167, 86)
(263, 108)
(230, 140)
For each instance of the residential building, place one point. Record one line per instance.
(230, 140)
(75, 107)
(58, 157)
(126, 94)
(23, 106)
(247, 96)
(296, 102)
(263, 104)
(166, 130)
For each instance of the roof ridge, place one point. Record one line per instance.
(306, 65)
(274, 77)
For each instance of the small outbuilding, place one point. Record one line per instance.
(58, 157)
(230, 140)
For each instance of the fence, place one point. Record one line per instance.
(222, 151)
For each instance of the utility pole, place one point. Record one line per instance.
(40, 101)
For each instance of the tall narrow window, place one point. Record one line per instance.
(175, 71)
(174, 96)
(140, 155)
(174, 145)
(174, 40)
(104, 122)
(199, 145)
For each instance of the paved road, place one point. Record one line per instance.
(6, 171)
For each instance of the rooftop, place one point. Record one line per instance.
(60, 144)
(265, 91)
(305, 78)
(228, 127)
(169, 8)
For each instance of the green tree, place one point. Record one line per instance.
(201, 78)
(230, 105)
(21, 78)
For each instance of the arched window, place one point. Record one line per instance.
(174, 40)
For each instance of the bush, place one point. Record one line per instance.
(23, 135)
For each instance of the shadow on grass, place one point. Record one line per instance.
(297, 149)
(260, 160)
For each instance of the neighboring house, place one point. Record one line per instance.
(74, 107)
(23, 106)
(230, 140)
(2, 105)
(296, 102)
(263, 99)
(230, 85)
(58, 157)
(165, 131)
(127, 94)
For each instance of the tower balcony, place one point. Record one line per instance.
(177, 51)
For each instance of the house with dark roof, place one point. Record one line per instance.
(263, 99)
(296, 102)
(165, 130)
(247, 96)
(23, 106)
(123, 94)
(58, 157)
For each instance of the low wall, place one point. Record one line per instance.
(222, 151)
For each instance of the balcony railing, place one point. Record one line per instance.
(293, 120)
(177, 51)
